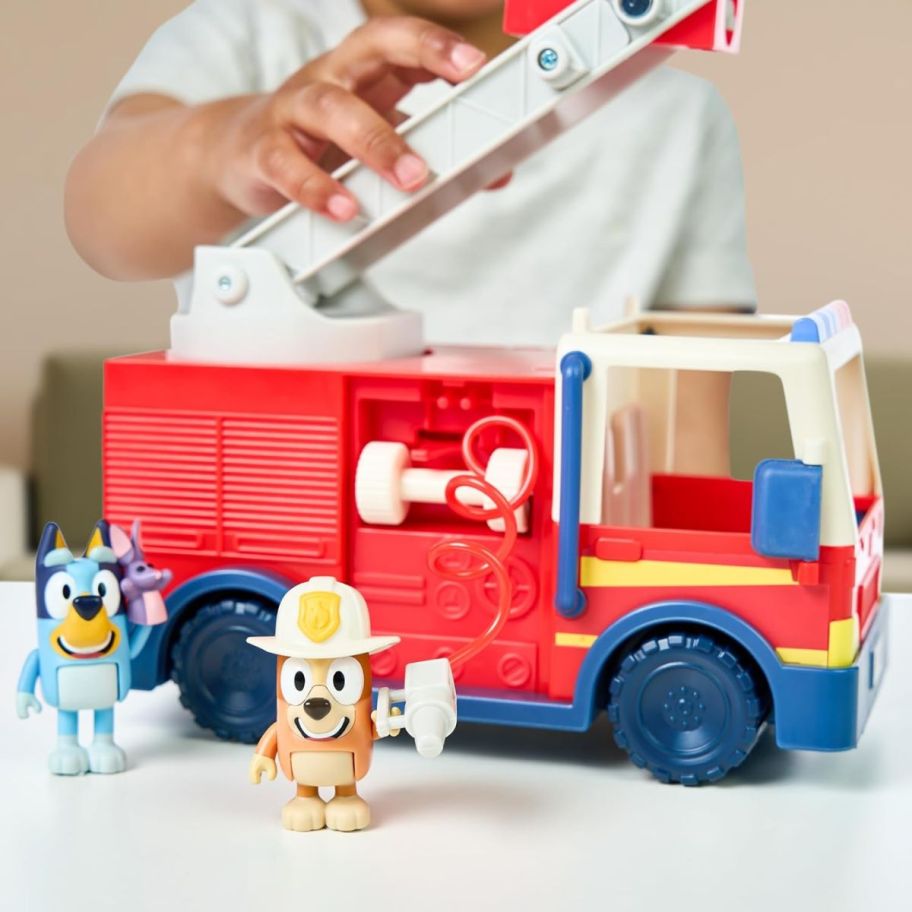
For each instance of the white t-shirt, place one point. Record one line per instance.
(645, 198)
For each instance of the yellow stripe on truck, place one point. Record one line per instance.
(844, 642)
(843, 647)
(646, 573)
(814, 658)
(578, 640)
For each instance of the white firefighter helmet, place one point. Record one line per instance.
(322, 619)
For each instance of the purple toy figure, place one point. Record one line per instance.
(142, 583)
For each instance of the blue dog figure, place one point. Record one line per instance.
(85, 647)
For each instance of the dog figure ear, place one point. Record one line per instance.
(136, 537)
(52, 549)
(99, 547)
(122, 545)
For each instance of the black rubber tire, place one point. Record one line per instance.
(227, 684)
(686, 707)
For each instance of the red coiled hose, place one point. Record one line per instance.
(481, 560)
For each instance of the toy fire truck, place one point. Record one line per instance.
(298, 428)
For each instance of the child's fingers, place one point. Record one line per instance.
(331, 113)
(386, 92)
(281, 164)
(402, 41)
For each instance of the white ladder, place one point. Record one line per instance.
(254, 301)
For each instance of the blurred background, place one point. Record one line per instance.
(821, 94)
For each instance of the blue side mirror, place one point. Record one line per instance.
(786, 509)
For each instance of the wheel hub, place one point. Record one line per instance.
(683, 709)
(241, 668)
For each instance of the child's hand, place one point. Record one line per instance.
(344, 99)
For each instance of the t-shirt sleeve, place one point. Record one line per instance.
(709, 266)
(204, 53)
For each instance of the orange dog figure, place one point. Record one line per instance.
(324, 731)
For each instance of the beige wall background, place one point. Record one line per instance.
(822, 94)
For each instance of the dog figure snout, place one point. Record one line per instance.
(317, 708)
(87, 606)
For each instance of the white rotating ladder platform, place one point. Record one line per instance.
(289, 291)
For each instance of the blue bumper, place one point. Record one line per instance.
(819, 709)
(825, 709)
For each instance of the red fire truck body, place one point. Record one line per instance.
(243, 478)
(254, 470)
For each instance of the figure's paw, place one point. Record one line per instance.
(304, 814)
(386, 730)
(347, 813)
(26, 703)
(68, 759)
(261, 765)
(106, 757)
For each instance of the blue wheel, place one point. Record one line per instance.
(228, 685)
(686, 708)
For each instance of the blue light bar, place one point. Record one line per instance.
(823, 323)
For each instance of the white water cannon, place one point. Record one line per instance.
(429, 695)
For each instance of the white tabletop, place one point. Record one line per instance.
(504, 819)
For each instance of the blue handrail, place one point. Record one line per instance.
(575, 368)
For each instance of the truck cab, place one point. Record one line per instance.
(782, 569)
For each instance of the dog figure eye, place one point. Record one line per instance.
(58, 594)
(295, 681)
(345, 680)
(106, 587)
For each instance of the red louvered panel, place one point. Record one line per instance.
(281, 488)
(162, 468)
